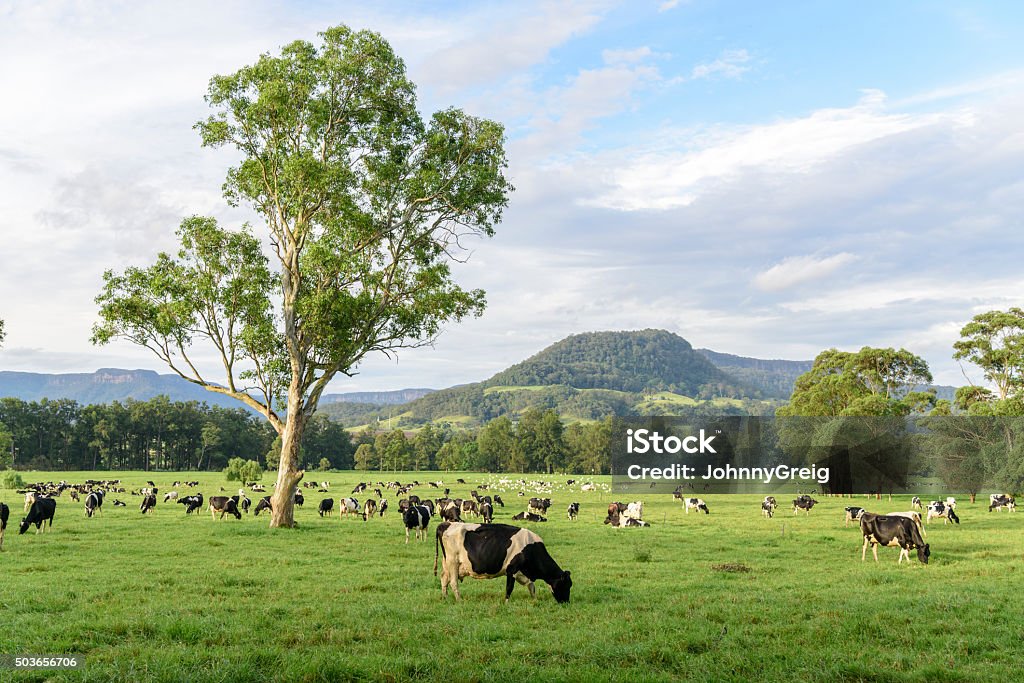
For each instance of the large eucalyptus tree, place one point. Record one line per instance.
(363, 207)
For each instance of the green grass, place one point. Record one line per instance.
(728, 596)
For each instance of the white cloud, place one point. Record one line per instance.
(626, 56)
(667, 5)
(797, 270)
(730, 64)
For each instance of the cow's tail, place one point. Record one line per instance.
(438, 546)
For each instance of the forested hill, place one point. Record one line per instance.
(648, 360)
(773, 378)
(585, 376)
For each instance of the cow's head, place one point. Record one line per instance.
(25, 524)
(923, 553)
(560, 588)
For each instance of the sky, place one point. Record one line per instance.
(764, 179)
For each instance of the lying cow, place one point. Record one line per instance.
(223, 505)
(892, 532)
(634, 510)
(493, 550)
(40, 513)
(937, 508)
(573, 511)
(696, 504)
(530, 517)
(416, 518)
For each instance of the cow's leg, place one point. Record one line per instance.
(874, 551)
(510, 583)
(864, 550)
(406, 535)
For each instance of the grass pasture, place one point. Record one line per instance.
(729, 596)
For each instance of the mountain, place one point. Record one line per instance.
(381, 398)
(111, 384)
(773, 378)
(586, 376)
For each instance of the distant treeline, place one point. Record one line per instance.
(157, 434)
(160, 434)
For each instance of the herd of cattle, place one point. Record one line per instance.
(479, 549)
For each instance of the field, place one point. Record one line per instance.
(729, 596)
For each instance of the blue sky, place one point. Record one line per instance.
(767, 179)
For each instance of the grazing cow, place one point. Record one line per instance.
(416, 518)
(539, 506)
(498, 500)
(696, 504)
(937, 508)
(767, 509)
(429, 504)
(487, 512)
(369, 507)
(382, 507)
(853, 514)
(348, 506)
(326, 507)
(93, 503)
(449, 511)
(264, 504)
(42, 510)
(173, 495)
(493, 550)
(223, 505)
(299, 500)
(804, 503)
(74, 495)
(1001, 501)
(890, 531)
(5, 513)
(915, 503)
(148, 503)
(530, 517)
(191, 503)
(469, 507)
(573, 511)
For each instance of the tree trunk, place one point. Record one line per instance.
(288, 473)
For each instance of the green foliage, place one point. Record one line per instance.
(6, 447)
(13, 480)
(994, 341)
(243, 470)
(324, 465)
(366, 457)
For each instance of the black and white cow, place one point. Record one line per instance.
(5, 514)
(148, 503)
(382, 508)
(348, 506)
(120, 503)
(853, 514)
(892, 532)
(41, 511)
(573, 511)
(487, 551)
(243, 501)
(915, 503)
(264, 504)
(529, 517)
(768, 506)
(498, 500)
(539, 506)
(93, 503)
(416, 517)
(299, 500)
(369, 507)
(326, 507)
(804, 503)
(937, 508)
(487, 512)
(696, 504)
(1001, 501)
(173, 495)
(192, 503)
(223, 505)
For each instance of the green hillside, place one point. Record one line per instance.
(585, 377)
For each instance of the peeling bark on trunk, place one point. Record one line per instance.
(288, 474)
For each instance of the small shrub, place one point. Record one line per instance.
(13, 480)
